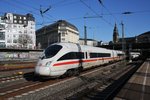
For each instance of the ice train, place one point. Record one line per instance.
(67, 58)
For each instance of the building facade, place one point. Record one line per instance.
(143, 38)
(90, 42)
(2, 32)
(16, 27)
(60, 31)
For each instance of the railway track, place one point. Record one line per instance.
(108, 90)
(14, 74)
(33, 85)
(10, 78)
(24, 88)
(16, 66)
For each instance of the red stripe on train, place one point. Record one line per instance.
(75, 62)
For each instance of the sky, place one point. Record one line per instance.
(99, 16)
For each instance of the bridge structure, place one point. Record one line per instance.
(143, 48)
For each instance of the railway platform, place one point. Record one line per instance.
(138, 86)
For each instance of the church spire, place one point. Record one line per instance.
(115, 34)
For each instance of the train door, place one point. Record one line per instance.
(87, 60)
(113, 55)
(86, 55)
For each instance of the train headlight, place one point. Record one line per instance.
(48, 64)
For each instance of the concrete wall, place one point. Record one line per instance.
(31, 55)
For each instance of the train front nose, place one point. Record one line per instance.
(42, 70)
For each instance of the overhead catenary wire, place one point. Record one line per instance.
(101, 3)
(36, 9)
(96, 13)
(125, 13)
(62, 2)
(48, 16)
(33, 12)
(46, 8)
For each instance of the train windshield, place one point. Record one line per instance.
(52, 51)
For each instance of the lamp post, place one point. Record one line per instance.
(85, 28)
(123, 41)
(85, 35)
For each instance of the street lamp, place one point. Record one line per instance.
(123, 41)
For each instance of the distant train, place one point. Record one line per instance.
(68, 58)
(134, 55)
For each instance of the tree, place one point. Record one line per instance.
(24, 40)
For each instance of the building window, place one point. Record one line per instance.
(2, 44)
(15, 26)
(20, 32)
(15, 17)
(20, 21)
(20, 17)
(2, 26)
(2, 36)
(63, 39)
(63, 34)
(62, 24)
(25, 31)
(25, 22)
(24, 18)
(14, 36)
(15, 21)
(14, 41)
(8, 41)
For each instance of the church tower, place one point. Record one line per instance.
(115, 34)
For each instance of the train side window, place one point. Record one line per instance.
(105, 54)
(96, 55)
(80, 55)
(72, 55)
(93, 55)
(119, 55)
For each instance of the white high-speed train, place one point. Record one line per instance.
(134, 55)
(67, 58)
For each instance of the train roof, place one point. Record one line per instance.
(82, 47)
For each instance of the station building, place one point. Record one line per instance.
(142, 38)
(12, 26)
(60, 31)
(90, 42)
